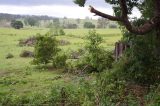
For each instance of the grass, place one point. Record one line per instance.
(19, 77)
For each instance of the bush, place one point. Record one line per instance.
(71, 26)
(59, 61)
(16, 24)
(139, 64)
(73, 95)
(61, 32)
(9, 55)
(45, 49)
(88, 25)
(56, 31)
(96, 58)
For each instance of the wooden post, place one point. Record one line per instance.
(120, 47)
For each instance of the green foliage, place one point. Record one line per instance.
(14, 100)
(110, 89)
(102, 23)
(31, 21)
(139, 63)
(80, 2)
(45, 49)
(56, 31)
(112, 26)
(88, 25)
(70, 26)
(59, 61)
(16, 24)
(56, 23)
(153, 97)
(61, 32)
(74, 95)
(14, 89)
(96, 57)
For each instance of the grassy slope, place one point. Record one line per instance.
(17, 76)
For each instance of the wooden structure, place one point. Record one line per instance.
(120, 47)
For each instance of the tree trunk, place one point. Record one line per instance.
(157, 13)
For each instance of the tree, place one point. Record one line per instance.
(56, 22)
(70, 26)
(142, 62)
(32, 21)
(16, 24)
(45, 48)
(88, 25)
(102, 23)
(78, 20)
(112, 25)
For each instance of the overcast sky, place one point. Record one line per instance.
(57, 8)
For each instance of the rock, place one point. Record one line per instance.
(27, 42)
(26, 53)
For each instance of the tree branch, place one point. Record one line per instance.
(124, 9)
(96, 12)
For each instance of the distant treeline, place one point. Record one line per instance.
(6, 20)
(9, 17)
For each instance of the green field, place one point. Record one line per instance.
(19, 77)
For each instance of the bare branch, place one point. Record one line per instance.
(96, 12)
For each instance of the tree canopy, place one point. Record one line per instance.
(16, 24)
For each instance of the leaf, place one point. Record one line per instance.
(81, 3)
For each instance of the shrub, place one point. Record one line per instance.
(72, 95)
(61, 32)
(59, 61)
(70, 26)
(16, 24)
(9, 55)
(96, 57)
(45, 49)
(88, 25)
(139, 63)
(56, 31)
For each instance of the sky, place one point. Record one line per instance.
(55, 8)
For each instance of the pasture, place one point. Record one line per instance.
(19, 77)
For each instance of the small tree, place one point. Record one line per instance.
(88, 25)
(45, 49)
(32, 21)
(102, 23)
(112, 25)
(96, 57)
(61, 32)
(56, 22)
(16, 24)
